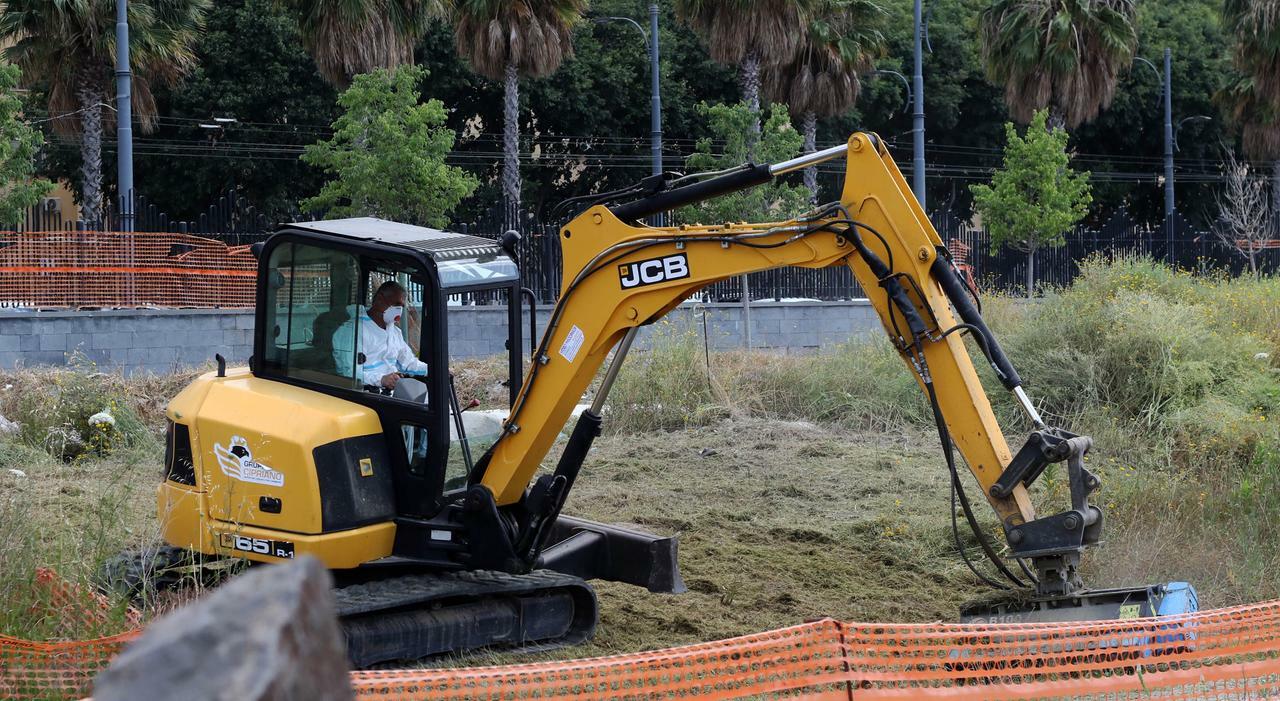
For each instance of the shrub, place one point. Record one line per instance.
(75, 411)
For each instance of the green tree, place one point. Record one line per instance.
(70, 46)
(821, 80)
(350, 37)
(285, 106)
(778, 142)
(505, 39)
(1035, 198)
(1062, 55)
(387, 154)
(19, 144)
(749, 34)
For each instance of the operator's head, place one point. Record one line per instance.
(388, 302)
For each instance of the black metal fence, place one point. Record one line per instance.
(1175, 242)
(231, 218)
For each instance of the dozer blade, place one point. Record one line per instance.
(1101, 604)
(415, 616)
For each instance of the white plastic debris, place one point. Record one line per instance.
(1261, 356)
(17, 473)
(102, 418)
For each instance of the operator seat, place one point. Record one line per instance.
(319, 356)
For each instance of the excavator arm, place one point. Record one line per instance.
(620, 275)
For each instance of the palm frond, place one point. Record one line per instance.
(350, 37)
(1065, 55)
(535, 36)
(822, 77)
(70, 45)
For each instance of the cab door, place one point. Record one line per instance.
(313, 331)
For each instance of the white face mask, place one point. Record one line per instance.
(392, 315)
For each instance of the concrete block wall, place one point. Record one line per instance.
(133, 340)
(163, 340)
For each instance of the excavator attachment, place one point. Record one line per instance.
(1171, 599)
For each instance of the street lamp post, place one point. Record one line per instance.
(1178, 127)
(917, 115)
(1168, 143)
(655, 88)
(124, 117)
(655, 79)
(1166, 98)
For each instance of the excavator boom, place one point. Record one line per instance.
(620, 275)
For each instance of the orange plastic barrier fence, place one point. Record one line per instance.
(86, 269)
(1218, 654)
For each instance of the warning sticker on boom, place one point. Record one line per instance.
(572, 343)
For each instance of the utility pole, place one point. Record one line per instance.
(655, 84)
(124, 117)
(917, 130)
(1168, 144)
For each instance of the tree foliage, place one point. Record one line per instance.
(387, 154)
(1063, 55)
(1035, 198)
(728, 125)
(69, 46)
(285, 106)
(19, 144)
(350, 37)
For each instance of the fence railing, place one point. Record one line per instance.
(231, 221)
(230, 218)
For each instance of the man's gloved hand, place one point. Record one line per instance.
(389, 380)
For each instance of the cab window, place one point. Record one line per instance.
(319, 324)
(309, 292)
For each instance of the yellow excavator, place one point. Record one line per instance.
(441, 542)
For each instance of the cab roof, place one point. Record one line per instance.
(436, 244)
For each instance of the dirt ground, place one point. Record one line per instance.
(779, 523)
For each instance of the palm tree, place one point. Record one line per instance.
(1063, 55)
(350, 37)
(749, 34)
(1252, 98)
(69, 46)
(1256, 27)
(821, 79)
(504, 40)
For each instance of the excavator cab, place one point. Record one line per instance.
(318, 284)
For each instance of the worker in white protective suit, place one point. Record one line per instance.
(382, 356)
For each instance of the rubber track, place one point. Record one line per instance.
(425, 591)
(416, 589)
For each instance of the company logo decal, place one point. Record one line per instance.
(653, 271)
(237, 462)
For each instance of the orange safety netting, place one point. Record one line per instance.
(79, 269)
(1224, 653)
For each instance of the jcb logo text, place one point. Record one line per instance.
(654, 270)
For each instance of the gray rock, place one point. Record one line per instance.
(270, 635)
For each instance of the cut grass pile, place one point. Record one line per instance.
(801, 486)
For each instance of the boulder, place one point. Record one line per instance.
(269, 635)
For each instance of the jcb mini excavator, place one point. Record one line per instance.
(435, 552)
